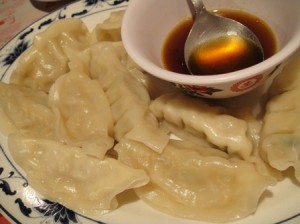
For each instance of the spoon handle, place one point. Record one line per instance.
(198, 6)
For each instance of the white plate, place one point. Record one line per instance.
(21, 204)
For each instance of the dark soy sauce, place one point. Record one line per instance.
(212, 55)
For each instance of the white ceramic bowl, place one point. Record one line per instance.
(147, 23)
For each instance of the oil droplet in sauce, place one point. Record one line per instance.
(173, 49)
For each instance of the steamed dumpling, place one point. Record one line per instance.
(65, 174)
(202, 120)
(280, 141)
(110, 29)
(128, 98)
(46, 59)
(83, 115)
(195, 182)
(25, 110)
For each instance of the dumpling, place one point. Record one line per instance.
(82, 113)
(46, 59)
(110, 29)
(280, 136)
(128, 98)
(65, 174)
(202, 120)
(195, 182)
(288, 79)
(25, 110)
(254, 130)
(248, 108)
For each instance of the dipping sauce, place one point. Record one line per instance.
(223, 55)
(173, 49)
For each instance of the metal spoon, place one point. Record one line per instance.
(210, 32)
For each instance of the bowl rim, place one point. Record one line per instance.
(249, 72)
(158, 71)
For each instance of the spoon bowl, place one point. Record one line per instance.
(211, 33)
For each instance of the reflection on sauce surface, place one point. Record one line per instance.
(224, 55)
(173, 49)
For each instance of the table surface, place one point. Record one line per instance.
(15, 15)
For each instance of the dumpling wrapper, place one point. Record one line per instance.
(83, 114)
(197, 117)
(110, 29)
(46, 60)
(196, 183)
(280, 136)
(65, 174)
(129, 99)
(25, 110)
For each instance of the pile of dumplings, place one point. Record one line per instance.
(86, 123)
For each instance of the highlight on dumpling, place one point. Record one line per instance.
(86, 124)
